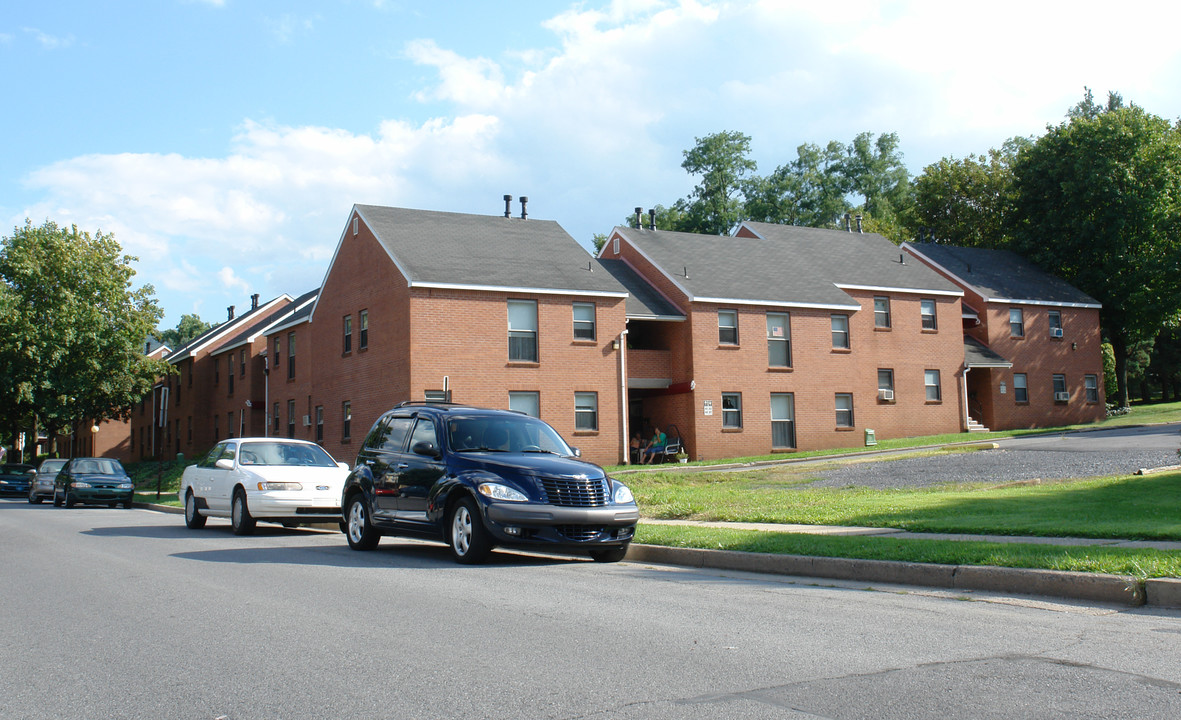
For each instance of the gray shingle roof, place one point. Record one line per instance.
(486, 252)
(643, 301)
(1002, 275)
(786, 265)
(977, 354)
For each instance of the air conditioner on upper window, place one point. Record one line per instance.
(307, 420)
(1061, 397)
(884, 394)
(1055, 332)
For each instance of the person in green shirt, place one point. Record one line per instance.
(655, 446)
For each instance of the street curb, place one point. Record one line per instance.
(159, 508)
(1092, 587)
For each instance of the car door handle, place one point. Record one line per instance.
(402, 466)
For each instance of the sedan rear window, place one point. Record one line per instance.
(281, 453)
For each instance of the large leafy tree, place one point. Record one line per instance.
(810, 190)
(71, 329)
(1098, 202)
(722, 161)
(189, 327)
(963, 202)
(874, 170)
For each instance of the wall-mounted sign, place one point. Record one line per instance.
(709, 407)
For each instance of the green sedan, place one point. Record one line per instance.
(96, 481)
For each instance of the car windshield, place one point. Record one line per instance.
(15, 469)
(97, 466)
(52, 466)
(504, 433)
(284, 453)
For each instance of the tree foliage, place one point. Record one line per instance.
(722, 162)
(964, 202)
(189, 327)
(72, 328)
(1097, 201)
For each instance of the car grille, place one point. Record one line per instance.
(580, 533)
(575, 493)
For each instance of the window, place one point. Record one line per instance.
(886, 384)
(1016, 323)
(1091, 383)
(230, 424)
(783, 420)
(584, 321)
(844, 410)
(216, 431)
(190, 373)
(778, 340)
(230, 372)
(525, 402)
(731, 410)
(840, 332)
(217, 371)
(346, 413)
(390, 436)
(290, 418)
(363, 341)
(522, 331)
(1055, 318)
(927, 311)
(241, 422)
(1060, 392)
(291, 356)
(440, 396)
(348, 333)
(275, 425)
(1020, 388)
(189, 427)
(727, 327)
(276, 354)
(242, 372)
(424, 432)
(931, 381)
(881, 312)
(586, 411)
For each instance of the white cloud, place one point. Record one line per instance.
(284, 28)
(47, 41)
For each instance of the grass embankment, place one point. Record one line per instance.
(149, 474)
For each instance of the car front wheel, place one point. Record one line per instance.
(241, 522)
(57, 501)
(466, 533)
(194, 520)
(34, 498)
(358, 528)
(69, 499)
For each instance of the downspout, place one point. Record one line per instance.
(964, 395)
(623, 393)
(266, 393)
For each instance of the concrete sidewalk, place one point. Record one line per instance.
(1090, 587)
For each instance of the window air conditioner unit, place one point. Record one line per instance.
(1061, 397)
(1056, 332)
(307, 420)
(886, 395)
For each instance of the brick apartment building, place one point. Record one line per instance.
(1035, 356)
(785, 338)
(777, 338)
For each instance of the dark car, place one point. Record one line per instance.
(477, 478)
(15, 478)
(96, 481)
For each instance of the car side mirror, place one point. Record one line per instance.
(425, 448)
(577, 452)
(224, 464)
(343, 465)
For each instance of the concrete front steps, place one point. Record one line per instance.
(975, 427)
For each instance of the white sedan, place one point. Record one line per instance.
(271, 479)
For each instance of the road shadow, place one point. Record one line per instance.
(168, 532)
(390, 554)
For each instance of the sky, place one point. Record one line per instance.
(223, 142)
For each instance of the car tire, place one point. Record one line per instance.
(34, 498)
(358, 528)
(194, 520)
(70, 501)
(466, 533)
(609, 555)
(57, 501)
(112, 505)
(127, 504)
(241, 521)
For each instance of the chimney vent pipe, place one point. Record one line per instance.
(651, 219)
(848, 222)
(508, 205)
(254, 301)
(639, 222)
(230, 312)
(859, 224)
(524, 215)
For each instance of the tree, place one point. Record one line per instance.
(189, 327)
(874, 169)
(963, 202)
(715, 206)
(808, 191)
(1098, 203)
(71, 328)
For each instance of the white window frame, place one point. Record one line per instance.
(522, 325)
(732, 411)
(929, 320)
(932, 383)
(840, 332)
(727, 326)
(847, 411)
(1020, 388)
(881, 311)
(525, 401)
(783, 419)
(1016, 323)
(586, 412)
(781, 342)
(584, 325)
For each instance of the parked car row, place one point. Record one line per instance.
(470, 477)
(89, 480)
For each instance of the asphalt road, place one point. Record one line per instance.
(126, 614)
(1117, 451)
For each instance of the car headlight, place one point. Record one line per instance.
(125, 486)
(496, 491)
(80, 484)
(279, 486)
(623, 494)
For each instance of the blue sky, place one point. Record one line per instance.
(224, 141)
